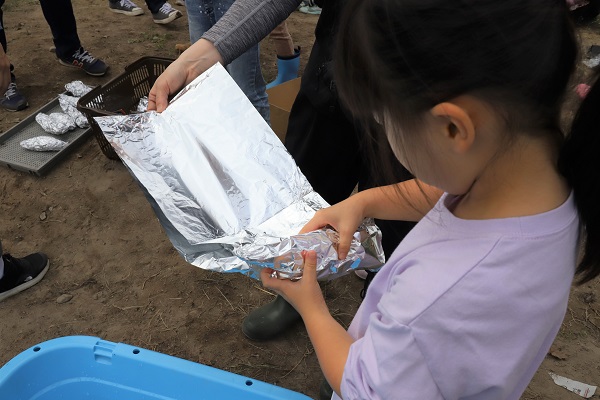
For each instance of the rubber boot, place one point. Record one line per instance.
(325, 390)
(287, 68)
(270, 320)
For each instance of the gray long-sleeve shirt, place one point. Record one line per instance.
(246, 23)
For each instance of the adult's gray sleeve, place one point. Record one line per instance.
(246, 23)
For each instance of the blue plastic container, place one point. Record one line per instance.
(84, 367)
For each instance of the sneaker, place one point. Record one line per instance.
(309, 7)
(13, 100)
(83, 60)
(22, 273)
(126, 7)
(166, 14)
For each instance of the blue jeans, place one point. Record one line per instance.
(245, 70)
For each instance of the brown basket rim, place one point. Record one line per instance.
(98, 89)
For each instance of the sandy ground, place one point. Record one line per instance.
(110, 254)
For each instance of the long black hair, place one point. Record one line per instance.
(402, 57)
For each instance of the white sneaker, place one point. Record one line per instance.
(309, 7)
(314, 10)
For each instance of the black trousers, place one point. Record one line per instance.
(59, 16)
(328, 146)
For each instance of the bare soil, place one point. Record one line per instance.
(109, 252)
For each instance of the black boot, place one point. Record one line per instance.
(270, 320)
(325, 390)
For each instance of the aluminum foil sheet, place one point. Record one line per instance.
(77, 88)
(56, 123)
(69, 106)
(43, 143)
(226, 191)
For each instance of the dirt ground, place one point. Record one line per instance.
(109, 252)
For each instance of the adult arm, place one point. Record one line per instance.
(245, 24)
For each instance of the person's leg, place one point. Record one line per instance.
(201, 17)
(2, 33)
(155, 5)
(288, 57)
(3, 41)
(284, 45)
(61, 19)
(12, 99)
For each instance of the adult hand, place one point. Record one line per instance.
(4, 72)
(190, 64)
(305, 294)
(345, 217)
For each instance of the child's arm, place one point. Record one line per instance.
(407, 201)
(329, 338)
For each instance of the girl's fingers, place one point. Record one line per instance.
(344, 244)
(311, 226)
(265, 277)
(310, 265)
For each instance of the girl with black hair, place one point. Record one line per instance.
(468, 94)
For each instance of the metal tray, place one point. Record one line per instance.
(36, 162)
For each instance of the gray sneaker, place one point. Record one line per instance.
(166, 14)
(13, 99)
(126, 7)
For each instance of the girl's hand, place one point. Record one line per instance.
(345, 217)
(305, 294)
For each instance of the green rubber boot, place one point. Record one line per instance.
(270, 320)
(325, 390)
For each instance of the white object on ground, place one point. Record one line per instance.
(582, 389)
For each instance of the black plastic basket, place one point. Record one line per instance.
(121, 95)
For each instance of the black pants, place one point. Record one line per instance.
(327, 145)
(60, 18)
(153, 5)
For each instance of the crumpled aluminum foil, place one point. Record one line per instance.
(56, 123)
(43, 143)
(224, 188)
(77, 88)
(69, 106)
(143, 104)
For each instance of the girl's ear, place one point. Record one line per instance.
(456, 125)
